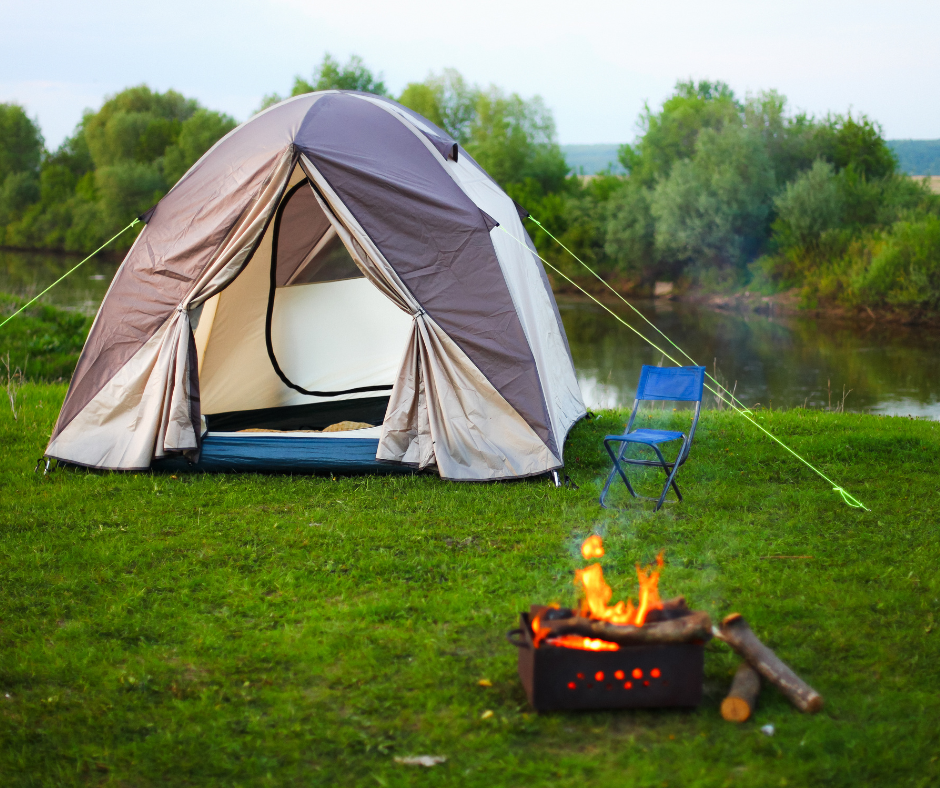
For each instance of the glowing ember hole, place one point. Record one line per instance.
(572, 685)
(581, 676)
(599, 676)
(637, 673)
(628, 685)
(655, 673)
(646, 683)
(619, 675)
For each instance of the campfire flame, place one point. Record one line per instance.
(597, 593)
(593, 547)
(596, 596)
(585, 644)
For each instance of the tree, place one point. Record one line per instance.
(792, 141)
(21, 150)
(808, 206)
(446, 100)
(713, 209)
(119, 162)
(330, 75)
(859, 144)
(136, 124)
(670, 135)
(21, 143)
(197, 134)
(629, 232)
(514, 141)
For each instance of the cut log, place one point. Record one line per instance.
(736, 633)
(742, 698)
(672, 608)
(695, 626)
(676, 603)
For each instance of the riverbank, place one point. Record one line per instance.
(786, 303)
(791, 302)
(161, 630)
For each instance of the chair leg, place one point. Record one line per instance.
(670, 480)
(616, 469)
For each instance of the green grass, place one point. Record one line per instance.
(41, 343)
(268, 630)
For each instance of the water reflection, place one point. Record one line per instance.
(774, 361)
(25, 274)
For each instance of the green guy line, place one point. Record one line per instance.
(29, 303)
(846, 496)
(612, 290)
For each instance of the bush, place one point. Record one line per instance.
(904, 270)
(810, 205)
(713, 209)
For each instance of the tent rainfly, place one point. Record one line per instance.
(335, 258)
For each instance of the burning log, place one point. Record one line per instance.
(742, 698)
(736, 633)
(694, 626)
(672, 608)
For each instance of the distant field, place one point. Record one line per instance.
(591, 159)
(934, 181)
(915, 157)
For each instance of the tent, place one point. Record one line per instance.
(337, 258)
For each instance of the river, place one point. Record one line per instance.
(778, 362)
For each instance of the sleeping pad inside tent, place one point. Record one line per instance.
(336, 285)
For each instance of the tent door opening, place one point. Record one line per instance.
(301, 339)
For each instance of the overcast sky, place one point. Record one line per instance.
(594, 62)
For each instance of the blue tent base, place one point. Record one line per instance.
(279, 454)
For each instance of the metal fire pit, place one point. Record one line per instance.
(634, 677)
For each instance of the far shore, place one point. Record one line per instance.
(785, 304)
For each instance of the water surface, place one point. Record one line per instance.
(771, 361)
(25, 274)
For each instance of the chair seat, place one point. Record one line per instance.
(649, 437)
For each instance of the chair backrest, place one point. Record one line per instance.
(682, 384)
(677, 384)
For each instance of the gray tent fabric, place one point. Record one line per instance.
(434, 237)
(302, 226)
(186, 229)
(485, 388)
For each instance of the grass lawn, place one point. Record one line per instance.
(268, 630)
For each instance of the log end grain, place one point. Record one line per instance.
(742, 698)
(814, 704)
(735, 709)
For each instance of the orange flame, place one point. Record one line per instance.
(596, 596)
(597, 593)
(538, 631)
(593, 547)
(585, 644)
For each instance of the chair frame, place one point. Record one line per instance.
(669, 468)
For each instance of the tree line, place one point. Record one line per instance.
(722, 193)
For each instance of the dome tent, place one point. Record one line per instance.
(334, 258)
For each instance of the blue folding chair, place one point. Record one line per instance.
(658, 384)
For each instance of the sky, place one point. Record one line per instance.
(595, 62)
